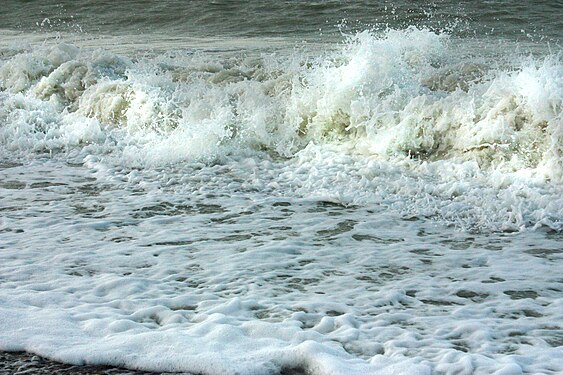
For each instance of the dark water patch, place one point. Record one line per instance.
(92, 189)
(375, 239)
(20, 363)
(461, 345)
(334, 313)
(184, 307)
(421, 251)
(122, 239)
(556, 340)
(463, 244)
(11, 208)
(281, 204)
(209, 208)
(12, 185)
(493, 247)
(45, 184)
(294, 371)
(234, 238)
(231, 218)
(386, 275)
(274, 218)
(9, 164)
(531, 313)
(329, 273)
(516, 334)
(324, 206)
(342, 227)
(544, 253)
(300, 284)
(162, 209)
(171, 243)
(89, 211)
(552, 234)
(521, 294)
(171, 209)
(82, 273)
(6, 230)
(493, 279)
(281, 228)
(305, 262)
(439, 302)
(369, 279)
(473, 296)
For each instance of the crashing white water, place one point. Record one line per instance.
(397, 103)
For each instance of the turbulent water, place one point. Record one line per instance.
(255, 187)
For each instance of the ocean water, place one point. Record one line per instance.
(254, 187)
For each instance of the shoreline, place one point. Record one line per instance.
(15, 363)
(27, 363)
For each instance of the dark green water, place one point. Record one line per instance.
(304, 19)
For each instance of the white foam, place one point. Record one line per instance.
(175, 209)
(168, 278)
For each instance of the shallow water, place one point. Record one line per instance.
(115, 265)
(245, 193)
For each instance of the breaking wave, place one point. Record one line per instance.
(406, 118)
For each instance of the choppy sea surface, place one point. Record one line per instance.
(253, 187)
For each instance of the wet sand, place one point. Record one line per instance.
(19, 363)
(16, 363)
